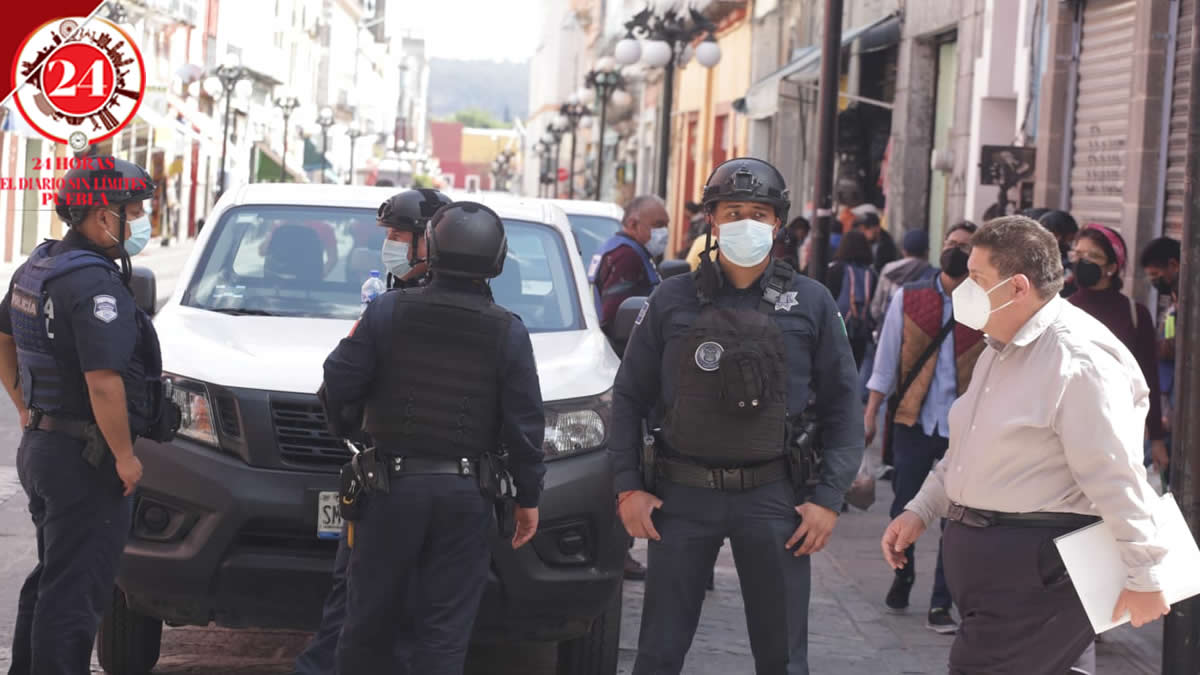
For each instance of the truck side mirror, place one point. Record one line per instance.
(670, 268)
(145, 290)
(625, 320)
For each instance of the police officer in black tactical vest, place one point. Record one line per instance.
(729, 366)
(449, 382)
(81, 363)
(405, 215)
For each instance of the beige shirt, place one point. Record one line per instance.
(1054, 421)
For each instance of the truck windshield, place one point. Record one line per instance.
(311, 262)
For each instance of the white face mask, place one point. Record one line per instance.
(658, 241)
(395, 258)
(746, 243)
(139, 234)
(971, 305)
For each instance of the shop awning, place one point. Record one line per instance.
(314, 160)
(762, 99)
(268, 167)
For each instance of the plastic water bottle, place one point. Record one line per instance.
(372, 288)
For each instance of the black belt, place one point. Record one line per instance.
(728, 480)
(432, 465)
(981, 518)
(75, 428)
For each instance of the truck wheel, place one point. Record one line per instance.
(128, 641)
(596, 652)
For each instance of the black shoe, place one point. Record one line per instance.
(634, 570)
(941, 622)
(897, 597)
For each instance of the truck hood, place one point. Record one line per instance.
(286, 354)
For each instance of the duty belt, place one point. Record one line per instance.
(727, 480)
(429, 465)
(981, 518)
(74, 428)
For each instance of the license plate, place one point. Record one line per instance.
(329, 516)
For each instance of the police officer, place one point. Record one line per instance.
(405, 216)
(82, 365)
(722, 361)
(446, 377)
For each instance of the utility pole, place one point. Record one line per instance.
(827, 105)
(1181, 632)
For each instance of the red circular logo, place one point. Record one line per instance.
(78, 80)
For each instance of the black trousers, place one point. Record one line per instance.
(317, 658)
(775, 584)
(1020, 613)
(914, 455)
(82, 522)
(416, 575)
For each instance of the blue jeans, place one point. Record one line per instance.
(914, 455)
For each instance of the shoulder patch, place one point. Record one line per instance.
(842, 320)
(104, 307)
(642, 314)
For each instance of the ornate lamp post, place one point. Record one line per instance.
(542, 149)
(553, 138)
(573, 111)
(666, 38)
(225, 81)
(502, 170)
(325, 120)
(287, 104)
(603, 81)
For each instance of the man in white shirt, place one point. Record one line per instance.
(1046, 439)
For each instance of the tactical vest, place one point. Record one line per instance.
(922, 320)
(438, 391)
(614, 242)
(58, 388)
(730, 407)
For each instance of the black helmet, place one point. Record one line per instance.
(747, 179)
(410, 210)
(106, 181)
(467, 239)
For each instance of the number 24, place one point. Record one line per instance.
(95, 72)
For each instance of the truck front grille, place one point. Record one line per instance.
(303, 437)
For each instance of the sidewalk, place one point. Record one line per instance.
(850, 631)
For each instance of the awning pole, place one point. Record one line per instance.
(823, 189)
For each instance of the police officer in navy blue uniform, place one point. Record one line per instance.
(405, 215)
(82, 365)
(724, 362)
(447, 378)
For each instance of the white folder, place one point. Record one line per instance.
(1094, 563)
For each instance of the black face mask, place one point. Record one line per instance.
(1163, 286)
(1087, 273)
(954, 262)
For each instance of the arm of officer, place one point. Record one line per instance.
(1098, 424)
(350, 367)
(634, 392)
(835, 384)
(8, 358)
(522, 417)
(103, 320)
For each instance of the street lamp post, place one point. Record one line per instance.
(573, 111)
(223, 82)
(287, 104)
(666, 36)
(553, 138)
(325, 120)
(604, 80)
(354, 133)
(502, 170)
(543, 152)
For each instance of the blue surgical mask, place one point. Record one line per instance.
(658, 241)
(746, 242)
(395, 258)
(139, 234)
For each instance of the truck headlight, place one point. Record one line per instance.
(192, 398)
(577, 425)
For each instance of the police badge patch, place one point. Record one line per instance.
(104, 307)
(786, 302)
(642, 314)
(708, 356)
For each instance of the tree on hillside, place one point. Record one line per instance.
(477, 118)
